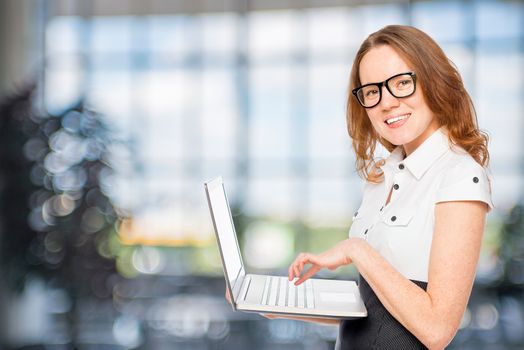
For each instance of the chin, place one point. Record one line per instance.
(399, 137)
(396, 141)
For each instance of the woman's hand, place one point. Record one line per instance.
(228, 296)
(317, 320)
(331, 259)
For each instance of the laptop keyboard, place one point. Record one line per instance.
(279, 291)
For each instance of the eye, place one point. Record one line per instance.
(370, 93)
(404, 83)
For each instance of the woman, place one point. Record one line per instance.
(416, 237)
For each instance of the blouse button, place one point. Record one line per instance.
(396, 186)
(475, 179)
(401, 166)
(356, 213)
(381, 208)
(393, 218)
(366, 232)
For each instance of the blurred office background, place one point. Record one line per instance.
(113, 113)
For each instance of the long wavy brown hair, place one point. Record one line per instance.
(442, 89)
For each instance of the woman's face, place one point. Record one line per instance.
(406, 121)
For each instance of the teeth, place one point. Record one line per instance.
(396, 119)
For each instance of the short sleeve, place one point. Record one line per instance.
(466, 181)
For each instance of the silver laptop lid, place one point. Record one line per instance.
(226, 235)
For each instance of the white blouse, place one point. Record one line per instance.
(402, 231)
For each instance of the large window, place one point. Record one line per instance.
(259, 98)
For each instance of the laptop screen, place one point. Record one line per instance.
(225, 230)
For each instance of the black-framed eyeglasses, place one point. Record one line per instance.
(399, 85)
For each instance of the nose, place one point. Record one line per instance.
(388, 101)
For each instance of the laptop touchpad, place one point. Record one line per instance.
(332, 297)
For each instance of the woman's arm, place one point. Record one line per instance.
(433, 316)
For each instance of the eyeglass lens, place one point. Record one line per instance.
(399, 86)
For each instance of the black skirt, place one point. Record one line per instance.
(379, 330)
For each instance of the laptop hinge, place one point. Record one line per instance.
(237, 287)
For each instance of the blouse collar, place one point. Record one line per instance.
(423, 157)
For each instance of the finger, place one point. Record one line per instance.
(297, 270)
(308, 274)
(295, 266)
(298, 258)
(305, 259)
(313, 260)
(228, 296)
(291, 270)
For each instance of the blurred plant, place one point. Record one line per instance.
(56, 218)
(15, 189)
(511, 252)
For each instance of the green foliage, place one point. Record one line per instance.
(511, 251)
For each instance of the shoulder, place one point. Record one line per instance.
(462, 178)
(460, 166)
(459, 163)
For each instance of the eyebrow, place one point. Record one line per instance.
(381, 81)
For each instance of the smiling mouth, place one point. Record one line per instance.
(397, 119)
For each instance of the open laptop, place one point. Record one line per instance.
(275, 294)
